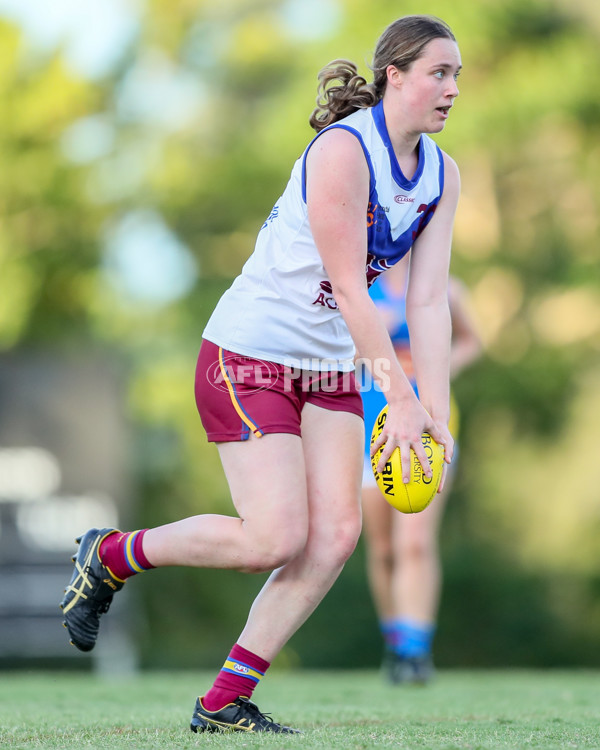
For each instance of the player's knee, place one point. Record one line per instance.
(381, 553)
(344, 541)
(418, 547)
(271, 553)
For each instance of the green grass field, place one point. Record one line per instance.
(334, 709)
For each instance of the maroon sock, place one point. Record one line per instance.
(240, 674)
(123, 554)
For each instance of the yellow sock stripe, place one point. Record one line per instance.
(129, 553)
(243, 670)
(234, 399)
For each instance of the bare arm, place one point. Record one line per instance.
(337, 199)
(427, 307)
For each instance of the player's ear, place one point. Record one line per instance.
(394, 76)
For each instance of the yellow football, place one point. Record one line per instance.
(415, 495)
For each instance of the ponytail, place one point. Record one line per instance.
(334, 102)
(401, 43)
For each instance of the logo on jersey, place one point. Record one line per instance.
(325, 297)
(273, 215)
(426, 211)
(403, 199)
(375, 214)
(376, 267)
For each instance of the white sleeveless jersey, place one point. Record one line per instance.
(281, 307)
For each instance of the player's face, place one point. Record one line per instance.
(428, 88)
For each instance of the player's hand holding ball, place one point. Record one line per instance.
(416, 494)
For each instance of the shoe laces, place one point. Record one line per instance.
(255, 711)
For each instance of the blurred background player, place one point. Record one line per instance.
(403, 563)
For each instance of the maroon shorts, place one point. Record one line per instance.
(237, 395)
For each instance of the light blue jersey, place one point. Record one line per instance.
(393, 309)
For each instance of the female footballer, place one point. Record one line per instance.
(274, 382)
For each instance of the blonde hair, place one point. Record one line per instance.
(402, 42)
